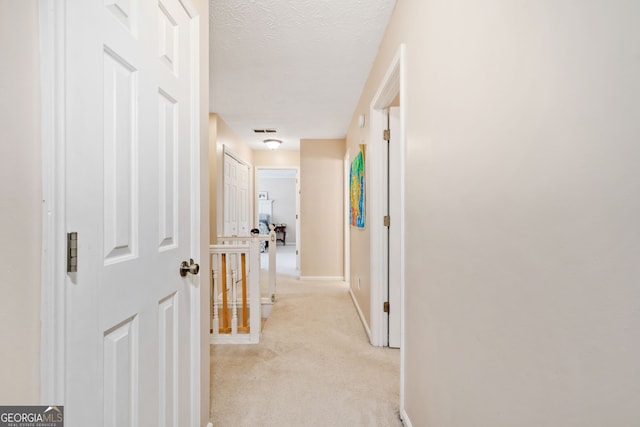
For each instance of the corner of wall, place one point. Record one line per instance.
(213, 177)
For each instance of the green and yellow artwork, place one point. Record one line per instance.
(357, 189)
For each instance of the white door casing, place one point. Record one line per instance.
(298, 220)
(127, 114)
(393, 83)
(377, 173)
(395, 213)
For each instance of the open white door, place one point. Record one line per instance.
(128, 116)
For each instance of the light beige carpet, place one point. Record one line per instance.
(314, 366)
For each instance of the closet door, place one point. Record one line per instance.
(236, 204)
(230, 204)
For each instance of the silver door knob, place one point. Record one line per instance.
(189, 267)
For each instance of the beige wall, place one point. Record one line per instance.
(20, 203)
(229, 139)
(321, 208)
(276, 158)
(360, 238)
(522, 291)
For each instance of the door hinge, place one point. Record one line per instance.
(386, 306)
(72, 252)
(387, 220)
(386, 135)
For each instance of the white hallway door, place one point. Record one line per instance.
(128, 108)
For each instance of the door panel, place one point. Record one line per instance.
(168, 359)
(128, 116)
(120, 147)
(121, 373)
(243, 200)
(167, 170)
(230, 217)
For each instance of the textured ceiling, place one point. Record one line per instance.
(298, 66)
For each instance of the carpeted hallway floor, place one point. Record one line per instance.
(314, 365)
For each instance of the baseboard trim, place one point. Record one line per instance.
(332, 278)
(406, 421)
(360, 315)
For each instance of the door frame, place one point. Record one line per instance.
(256, 177)
(347, 216)
(393, 83)
(395, 186)
(54, 251)
(52, 301)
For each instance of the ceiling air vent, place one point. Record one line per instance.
(265, 130)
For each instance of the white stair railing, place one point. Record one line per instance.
(235, 270)
(272, 253)
(237, 306)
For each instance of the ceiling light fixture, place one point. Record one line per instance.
(272, 144)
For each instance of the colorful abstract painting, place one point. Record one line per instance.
(357, 189)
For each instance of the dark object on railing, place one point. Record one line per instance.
(282, 230)
(255, 231)
(263, 226)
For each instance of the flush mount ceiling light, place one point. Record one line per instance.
(272, 144)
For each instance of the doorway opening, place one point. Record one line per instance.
(278, 203)
(387, 210)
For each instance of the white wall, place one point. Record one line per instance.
(20, 203)
(522, 211)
